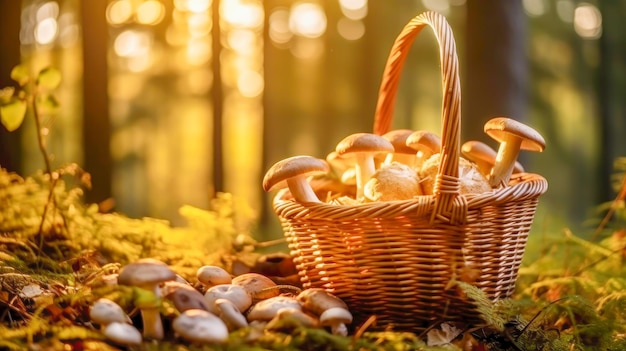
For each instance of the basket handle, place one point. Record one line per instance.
(449, 205)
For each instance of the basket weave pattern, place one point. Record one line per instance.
(398, 260)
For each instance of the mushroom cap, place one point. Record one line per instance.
(335, 315)
(317, 300)
(213, 275)
(471, 180)
(200, 326)
(265, 310)
(421, 140)
(230, 314)
(233, 292)
(257, 285)
(145, 272)
(276, 177)
(123, 334)
(296, 315)
(184, 296)
(397, 138)
(394, 181)
(499, 127)
(105, 311)
(363, 142)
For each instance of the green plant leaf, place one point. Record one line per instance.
(47, 104)
(49, 78)
(20, 74)
(12, 114)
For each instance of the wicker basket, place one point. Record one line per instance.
(399, 260)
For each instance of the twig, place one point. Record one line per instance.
(620, 197)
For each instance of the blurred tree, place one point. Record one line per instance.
(9, 58)
(494, 64)
(96, 124)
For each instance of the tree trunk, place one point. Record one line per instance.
(495, 69)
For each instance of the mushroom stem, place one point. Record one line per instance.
(505, 161)
(152, 326)
(301, 189)
(365, 168)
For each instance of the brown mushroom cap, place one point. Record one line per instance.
(256, 285)
(363, 142)
(317, 300)
(425, 141)
(185, 297)
(484, 156)
(500, 127)
(146, 272)
(213, 275)
(398, 138)
(292, 172)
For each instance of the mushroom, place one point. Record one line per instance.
(210, 276)
(424, 144)
(105, 311)
(123, 334)
(230, 314)
(363, 147)
(200, 326)
(257, 285)
(513, 137)
(336, 318)
(267, 309)
(484, 156)
(393, 181)
(402, 152)
(232, 292)
(295, 314)
(148, 273)
(292, 172)
(184, 296)
(318, 300)
(471, 180)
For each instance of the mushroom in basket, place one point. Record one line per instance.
(513, 137)
(402, 152)
(484, 156)
(292, 172)
(394, 181)
(424, 144)
(471, 180)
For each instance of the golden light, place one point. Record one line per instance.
(119, 12)
(196, 6)
(307, 49)
(199, 25)
(307, 20)
(242, 40)
(69, 32)
(243, 14)
(250, 84)
(565, 10)
(354, 9)
(47, 10)
(150, 12)
(588, 21)
(46, 31)
(534, 8)
(198, 52)
(350, 29)
(441, 6)
(279, 31)
(132, 43)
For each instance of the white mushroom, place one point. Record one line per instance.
(200, 326)
(266, 309)
(337, 319)
(184, 296)
(147, 274)
(209, 276)
(235, 293)
(230, 314)
(393, 181)
(105, 311)
(122, 334)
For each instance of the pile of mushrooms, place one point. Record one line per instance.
(207, 310)
(401, 165)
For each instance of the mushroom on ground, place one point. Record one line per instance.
(232, 292)
(318, 300)
(336, 318)
(293, 314)
(471, 180)
(148, 273)
(265, 310)
(105, 311)
(402, 152)
(424, 144)
(363, 147)
(230, 314)
(123, 334)
(393, 181)
(484, 156)
(200, 326)
(513, 137)
(292, 172)
(209, 276)
(184, 296)
(258, 286)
